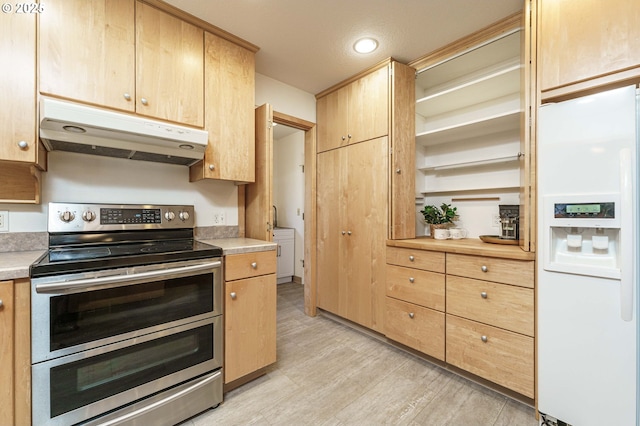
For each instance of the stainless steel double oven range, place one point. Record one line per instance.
(126, 317)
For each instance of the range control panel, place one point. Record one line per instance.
(69, 217)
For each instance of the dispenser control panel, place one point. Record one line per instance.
(603, 210)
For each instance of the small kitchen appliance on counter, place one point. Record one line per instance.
(126, 322)
(509, 221)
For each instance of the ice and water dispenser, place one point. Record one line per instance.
(583, 235)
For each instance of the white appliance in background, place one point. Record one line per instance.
(587, 265)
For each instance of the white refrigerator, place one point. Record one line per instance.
(587, 260)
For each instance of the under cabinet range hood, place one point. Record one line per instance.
(67, 126)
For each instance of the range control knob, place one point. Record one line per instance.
(183, 216)
(67, 216)
(169, 216)
(88, 215)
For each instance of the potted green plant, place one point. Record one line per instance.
(439, 217)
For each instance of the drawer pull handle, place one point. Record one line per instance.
(484, 339)
(233, 295)
(483, 294)
(484, 268)
(254, 265)
(411, 258)
(411, 315)
(412, 280)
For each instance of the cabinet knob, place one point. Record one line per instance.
(1, 304)
(483, 294)
(348, 232)
(484, 268)
(254, 265)
(127, 96)
(343, 138)
(412, 280)
(23, 145)
(212, 167)
(484, 339)
(398, 171)
(344, 232)
(144, 101)
(349, 136)
(411, 315)
(233, 295)
(411, 258)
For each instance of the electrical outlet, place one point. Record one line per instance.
(4, 221)
(495, 221)
(218, 219)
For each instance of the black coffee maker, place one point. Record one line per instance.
(509, 221)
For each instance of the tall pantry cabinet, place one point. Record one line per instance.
(364, 167)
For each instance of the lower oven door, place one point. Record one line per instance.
(76, 312)
(81, 386)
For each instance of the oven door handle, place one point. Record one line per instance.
(100, 283)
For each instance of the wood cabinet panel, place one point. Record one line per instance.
(417, 327)
(586, 40)
(332, 117)
(501, 356)
(416, 286)
(87, 51)
(250, 325)
(506, 271)
(330, 215)
(352, 232)
(413, 258)
(17, 88)
(500, 305)
(15, 352)
(251, 264)
(169, 67)
(230, 93)
(369, 107)
(7, 393)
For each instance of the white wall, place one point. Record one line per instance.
(285, 99)
(85, 178)
(288, 190)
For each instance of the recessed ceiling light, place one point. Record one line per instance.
(365, 45)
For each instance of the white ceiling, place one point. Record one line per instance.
(308, 43)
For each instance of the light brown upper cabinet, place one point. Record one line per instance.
(378, 102)
(125, 55)
(230, 96)
(19, 147)
(587, 44)
(354, 113)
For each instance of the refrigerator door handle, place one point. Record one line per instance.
(626, 236)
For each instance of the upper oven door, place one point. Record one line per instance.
(77, 312)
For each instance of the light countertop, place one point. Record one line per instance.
(15, 264)
(241, 245)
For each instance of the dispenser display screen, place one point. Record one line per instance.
(585, 210)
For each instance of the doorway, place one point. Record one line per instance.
(308, 216)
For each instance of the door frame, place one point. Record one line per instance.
(309, 217)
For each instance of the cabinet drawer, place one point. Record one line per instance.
(412, 258)
(508, 271)
(423, 288)
(497, 355)
(414, 326)
(247, 265)
(500, 305)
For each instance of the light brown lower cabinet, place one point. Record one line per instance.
(498, 355)
(250, 313)
(15, 352)
(474, 312)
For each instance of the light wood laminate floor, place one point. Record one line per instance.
(330, 374)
